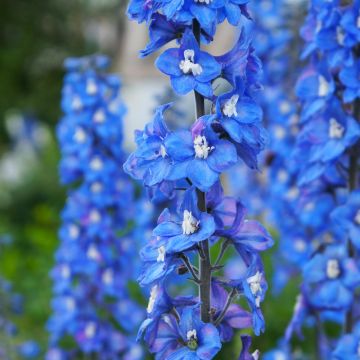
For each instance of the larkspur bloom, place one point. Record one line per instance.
(189, 68)
(187, 162)
(92, 261)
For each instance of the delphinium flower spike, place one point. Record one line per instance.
(189, 162)
(92, 304)
(328, 152)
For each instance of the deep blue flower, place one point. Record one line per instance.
(348, 346)
(188, 339)
(330, 279)
(189, 68)
(349, 76)
(199, 155)
(150, 161)
(187, 228)
(347, 217)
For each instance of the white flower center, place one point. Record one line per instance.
(76, 103)
(255, 286)
(358, 22)
(323, 86)
(108, 277)
(96, 164)
(300, 245)
(99, 116)
(91, 87)
(207, 2)
(95, 216)
(229, 108)
(279, 132)
(340, 35)
(80, 135)
(357, 217)
(332, 269)
(163, 152)
(65, 271)
(190, 224)
(188, 66)
(285, 107)
(74, 231)
(161, 254)
(282, 175)
(336, 130)
(256, 355)
(96, 187)
(70, 303)
(93, 253)
(90, 330)
(153, 295)
(191, 334)
(202, 149)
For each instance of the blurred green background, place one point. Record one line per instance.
(36, 36)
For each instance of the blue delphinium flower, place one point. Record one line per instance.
(188, 339)
(189, 68)
(348, 346)
(347, 217)
(188, 162)
(199, 154)
(92, 268)
(329, 279)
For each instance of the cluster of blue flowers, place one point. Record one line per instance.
(327, 156)
(93, 313)
(11, 304)
(184, 165)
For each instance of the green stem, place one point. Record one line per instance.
(204, 261)
(352, 185)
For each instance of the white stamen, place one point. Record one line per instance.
(310, 206)
(357, 217)
(65, 271)
(90, 330)
(191, 334)
(202, 149)
(285, 107)
(256, 355)
(300, 245)
(190, 224)
(229, 108)
(108, 277)
(279, 132)
(95, 216)
(188, 66)
(91, 87)
(323, 86)
(153, 295)
(255, 286)
(358, 22)
(99, 116)
(332, 269)
(74, 231)
(282, 176)
(70, 303)
(93, 253)
(96, 187)
(96, 164)
(161, 254)
(340, 35)
(76, 103)
(336, 130)
(80, 135)
(279, 355)
(163, 151)
(207, 2)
